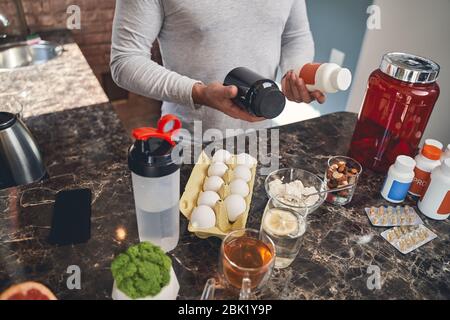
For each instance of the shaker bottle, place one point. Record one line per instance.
(155, 173)
(257, 95)
(400, 97)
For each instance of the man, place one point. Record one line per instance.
(201, 41)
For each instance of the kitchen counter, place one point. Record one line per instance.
(86, 147)
(64, 83)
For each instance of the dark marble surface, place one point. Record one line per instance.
(86, 147)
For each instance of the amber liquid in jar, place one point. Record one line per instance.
(246, 257)
(392, 121)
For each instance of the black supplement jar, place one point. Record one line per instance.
(257, 95)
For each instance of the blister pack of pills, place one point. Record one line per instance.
(408, 238)
(393, 216)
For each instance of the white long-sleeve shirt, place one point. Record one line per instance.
(202, 40)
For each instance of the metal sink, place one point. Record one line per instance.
(20, 54)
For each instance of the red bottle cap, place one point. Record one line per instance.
(162, 131)
(431, 152)
(308, 72)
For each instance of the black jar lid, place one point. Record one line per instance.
(269, 102)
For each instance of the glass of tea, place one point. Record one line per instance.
(247, 257)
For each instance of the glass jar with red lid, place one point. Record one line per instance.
(399, 100)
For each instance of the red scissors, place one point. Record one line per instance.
(160, 132)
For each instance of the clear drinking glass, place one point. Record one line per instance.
(348, 178)
(286, 227)
(246, 262)
(284, 219)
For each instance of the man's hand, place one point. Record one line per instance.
(294, 88)
(218, 96)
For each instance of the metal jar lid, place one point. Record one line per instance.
(409, 68)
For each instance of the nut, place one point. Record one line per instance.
(343, 193)
(337, 175)
(332, 184)
(329, 173)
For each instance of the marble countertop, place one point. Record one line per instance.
(67, 77)
(86, 147)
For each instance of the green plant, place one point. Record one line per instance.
(143, 270)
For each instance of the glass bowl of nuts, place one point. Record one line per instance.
(342, 173)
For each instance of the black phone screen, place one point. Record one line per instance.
(71, 222)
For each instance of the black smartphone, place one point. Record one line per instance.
(71, 222)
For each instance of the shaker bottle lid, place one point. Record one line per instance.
(269, 102)
(409, 68)
(152, 153)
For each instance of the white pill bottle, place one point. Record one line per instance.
(428, 159)
(446, 154)
(399, 179)
(435, 204)
(326, 77)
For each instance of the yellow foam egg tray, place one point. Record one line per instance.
(194, 188)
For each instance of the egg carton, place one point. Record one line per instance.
(408, 238)
(194, 188)
(393, 216)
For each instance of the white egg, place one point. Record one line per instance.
(242, 172)
(221, 156)
(246, 160)
(239, 187)
(217, 169)
(208, 198)
(235, 205)
(213, 183)
(203, 217)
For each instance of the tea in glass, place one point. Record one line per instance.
(247, 255)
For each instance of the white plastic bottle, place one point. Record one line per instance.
(428, 159)
(446, 154)
(399, 179)
(326, 77)
(435, 204)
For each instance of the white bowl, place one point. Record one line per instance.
(169, 292)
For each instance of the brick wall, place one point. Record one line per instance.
(94, 38)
